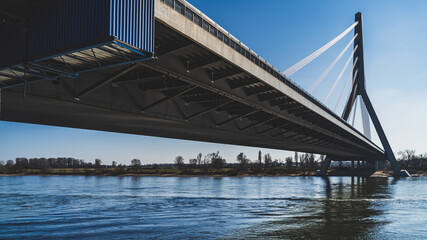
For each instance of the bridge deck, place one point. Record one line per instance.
(197, 88)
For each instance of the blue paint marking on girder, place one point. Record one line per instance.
(130, 48)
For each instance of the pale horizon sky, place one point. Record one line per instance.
(282, 32)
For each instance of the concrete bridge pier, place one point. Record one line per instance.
(323, 172)
(375, 165)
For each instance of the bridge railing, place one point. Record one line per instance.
(196, 16)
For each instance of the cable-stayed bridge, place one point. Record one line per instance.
(163, 68)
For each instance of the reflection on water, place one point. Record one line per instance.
(212, 207)
(345, 210)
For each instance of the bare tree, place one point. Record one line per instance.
(193, 162)
(407, 154)
(98, 163)
(199, 159)
(136, 163)
(217, 161)
(267, 160)
(207, 159)
(179, 161)
(302, 160)
(243, 160)
(289, 163)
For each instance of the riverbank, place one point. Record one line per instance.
(414, 173)
(163, 172)
(173, 172)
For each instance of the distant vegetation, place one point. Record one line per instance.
(412, 162)
(211, 163)
(208, 164)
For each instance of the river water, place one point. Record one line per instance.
(94, 207)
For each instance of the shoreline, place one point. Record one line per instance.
(160, 175)
(378, 174)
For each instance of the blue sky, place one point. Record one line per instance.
(282, 32)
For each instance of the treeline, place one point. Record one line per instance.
(208, 163)
(21, 164)
(409, 160)
(263, 163)
(301, 163)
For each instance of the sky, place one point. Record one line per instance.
(282, 32)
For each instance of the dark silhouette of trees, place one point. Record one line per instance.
(289, 164)
(304, 163)
(136, 163)
(260, 158)
(44, 165)
(217, 161)
(10, 167)
(302, 158)
(243, 160)
(193, 162)
(98, 163)
(179, 161)
(196, 161)
(268, 161)
(120, 169)
(307, 162)
(409, 160)
(7, 167)
(207, 159)
(21, 163)
(407, 154)
(199, 159)
(311, 162)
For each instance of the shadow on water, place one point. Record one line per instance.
(344, 210)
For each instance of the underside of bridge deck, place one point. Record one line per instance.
(188, 92)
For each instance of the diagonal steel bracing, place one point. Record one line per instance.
(145, 108)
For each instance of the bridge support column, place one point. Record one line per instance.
(387, 148)
(358, 89)
(352, 166)
(323, 172)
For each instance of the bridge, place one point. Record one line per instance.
(163, 68)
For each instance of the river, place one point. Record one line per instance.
(97, 207)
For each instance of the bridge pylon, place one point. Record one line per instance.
(359, 89)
